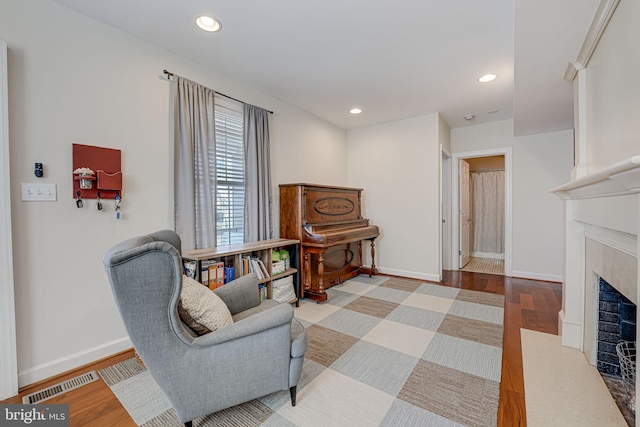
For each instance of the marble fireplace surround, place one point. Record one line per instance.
(616, 266)
(602, 223)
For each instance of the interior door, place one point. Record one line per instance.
(465, 217)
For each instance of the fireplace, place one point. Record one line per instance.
(611, 288)
(602, 219)
(616, 322)
(616, 335)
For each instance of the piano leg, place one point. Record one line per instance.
(311, 290)
(320, 272)
(307, 271)
(373, 259)
(367, 270)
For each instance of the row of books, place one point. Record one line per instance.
(262, 292)
(255, 265)
(215, 274)
(212, 274)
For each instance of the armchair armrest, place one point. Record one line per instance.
(279, 315)
(240, 294)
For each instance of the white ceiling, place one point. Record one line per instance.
(394, 59)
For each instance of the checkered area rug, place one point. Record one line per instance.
(382, 352)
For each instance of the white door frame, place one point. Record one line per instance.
(445, 210)
(464, 206)
(508, 222)
(8, 359)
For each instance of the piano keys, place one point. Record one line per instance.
(328, 222)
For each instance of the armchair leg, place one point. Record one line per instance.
(188, 424)
(292, 391)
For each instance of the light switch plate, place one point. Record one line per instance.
(39, 192)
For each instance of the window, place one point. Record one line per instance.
(229, 161)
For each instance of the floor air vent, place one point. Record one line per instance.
(63, 387)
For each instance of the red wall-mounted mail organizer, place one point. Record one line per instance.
(106, 163)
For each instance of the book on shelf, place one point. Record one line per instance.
(204, 275)
(220, 274)
(229, 274)
(263, 269)
(213, 282)
(245, 266)
(255, 268)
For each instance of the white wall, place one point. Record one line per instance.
(398, 166)
(444, 134)
(74, 80)
(540, 163)
(613, 91)
(304, 149)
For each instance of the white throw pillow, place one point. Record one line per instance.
(201, 309)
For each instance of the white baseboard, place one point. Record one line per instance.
(536, 276)
(570, 332)
(410, 274)
(58, 366)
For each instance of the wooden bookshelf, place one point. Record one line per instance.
(233, 255)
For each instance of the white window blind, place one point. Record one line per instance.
(229, 160)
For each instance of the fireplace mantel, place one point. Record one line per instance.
(602, 211)
(618, 179)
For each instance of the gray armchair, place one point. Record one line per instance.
(260, 353)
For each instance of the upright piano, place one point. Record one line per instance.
(328, 222)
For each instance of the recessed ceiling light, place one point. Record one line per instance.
(207, 23)
(355, 111)
(487, 78)
(470, 117)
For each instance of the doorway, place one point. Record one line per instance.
(486, 212)
(482, 228)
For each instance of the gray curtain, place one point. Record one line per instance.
(194, 174)
(488, 211)
(257, 197)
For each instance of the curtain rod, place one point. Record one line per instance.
(170, 74)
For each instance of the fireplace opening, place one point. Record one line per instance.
(616, 323)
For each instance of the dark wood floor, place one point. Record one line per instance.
(529, 304)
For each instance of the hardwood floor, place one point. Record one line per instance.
(90, 405)
(529, 304)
